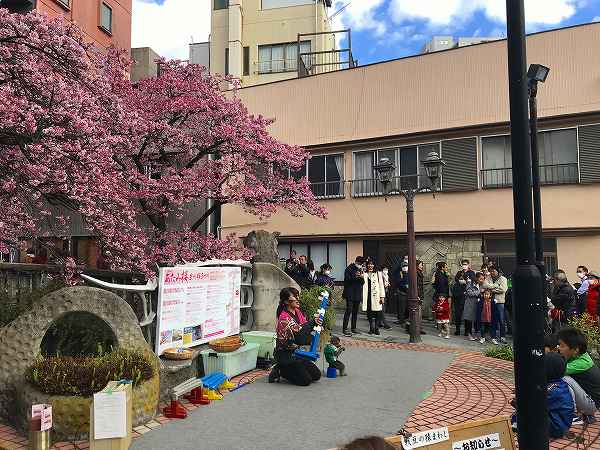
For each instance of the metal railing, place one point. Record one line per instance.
(549, 174)
(277, 65)
(314, 62)
(372, 187)
(328, 190)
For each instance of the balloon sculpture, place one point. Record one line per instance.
(312, 354)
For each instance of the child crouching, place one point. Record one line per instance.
(332, 351)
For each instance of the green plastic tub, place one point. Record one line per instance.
(265, 339)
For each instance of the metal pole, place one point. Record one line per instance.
(530, 378)
(413, 301)
(535, 171)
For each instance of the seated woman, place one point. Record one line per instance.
(293, 330)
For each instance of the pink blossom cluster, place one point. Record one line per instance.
(135, 163)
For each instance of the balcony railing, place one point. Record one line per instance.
(277, 65)
(328, 190)
(314, 62)
(372, 187)
(549, 174)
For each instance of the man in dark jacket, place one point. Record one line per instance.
(353, 293)
(564, 299)
(400, 281)
(458, 293)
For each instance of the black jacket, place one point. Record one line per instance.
(420, 285)
(353, 284)
(564, 298)
(458, 290)
(441, 284)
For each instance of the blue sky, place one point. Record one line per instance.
(381, 29)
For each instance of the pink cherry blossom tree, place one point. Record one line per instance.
(137, 162)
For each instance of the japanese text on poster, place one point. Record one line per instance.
(197, 305)
(483, 442)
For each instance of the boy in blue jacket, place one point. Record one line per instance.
(561, 409)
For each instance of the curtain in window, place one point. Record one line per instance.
(364, 180)
(337, 259)
(264, 59)
(277, 58)
(305, 48)
(291, 56)
(318, 254)
(497, 161)
(558, 156)
(335, 175)
(408, 166)
(316, 175)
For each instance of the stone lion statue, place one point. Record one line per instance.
(264, 245)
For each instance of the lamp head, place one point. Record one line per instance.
(433, 167)
(385, 172)
(537, 73)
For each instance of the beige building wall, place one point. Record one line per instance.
(256, 27)
(573, 251)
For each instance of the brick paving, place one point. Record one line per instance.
(472, 387)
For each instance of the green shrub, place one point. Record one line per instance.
(589, 327)
(310, 303)
(504, 352)
(84, 376)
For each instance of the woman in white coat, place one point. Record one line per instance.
(373, 295)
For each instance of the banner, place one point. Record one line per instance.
(197, 305)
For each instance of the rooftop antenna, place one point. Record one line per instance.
(339, 10)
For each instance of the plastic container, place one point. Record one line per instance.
(232, 363)
(265, 339)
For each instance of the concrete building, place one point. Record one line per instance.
(261, 41)
(105, 22)
(402, 110)
(439, 43)
(200, 54)
(146, 65)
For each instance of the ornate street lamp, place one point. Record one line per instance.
(385, 172)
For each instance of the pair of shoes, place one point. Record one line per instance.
(355, 331)
(447, 336)
(482, 340)
(376, 331)
(589, 419)
(472, 338)
(494, 341)
(457, 333)
(347, 333)
(577, 421)
(423, 332)
(440, 335)
(274, 375)
(503, 340)
(343, 374)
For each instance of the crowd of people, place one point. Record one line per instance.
(302, 271)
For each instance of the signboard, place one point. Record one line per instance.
(197, 305)
(110, 415)
(495, 433)
(44, 412)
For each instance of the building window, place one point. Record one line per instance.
(406, 159)
(333, 253)
(221, 4)
(246, 61)
(325, 174)
(558, 159)
(64, 3)
(502, 251)
(226, 61)
(280, 57)
(106, 17)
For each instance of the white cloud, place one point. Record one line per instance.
(169, 28)
(358, 15)
(596, 19)
(445, 12)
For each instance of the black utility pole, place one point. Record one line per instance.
(535, 172)
(529, 308)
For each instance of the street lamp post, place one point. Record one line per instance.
(536, 74)
(529, 299)
(385, 170)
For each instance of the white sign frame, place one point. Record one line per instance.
(197, 304)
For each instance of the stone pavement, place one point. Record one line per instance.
(472, 387)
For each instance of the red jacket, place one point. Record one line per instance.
(592, 298)
(441, 309)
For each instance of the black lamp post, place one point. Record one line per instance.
(528, 296)
(536, 74)
(385, 171)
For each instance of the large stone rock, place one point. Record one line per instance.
(267, 281)
(264, 245)
(20, 341)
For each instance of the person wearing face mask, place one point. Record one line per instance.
(582, 290)
(324, 277)
(373, 295)
(462, 278)
(353, 293)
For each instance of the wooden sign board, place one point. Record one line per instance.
(494, 434)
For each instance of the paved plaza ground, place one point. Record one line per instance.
(469, 386)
